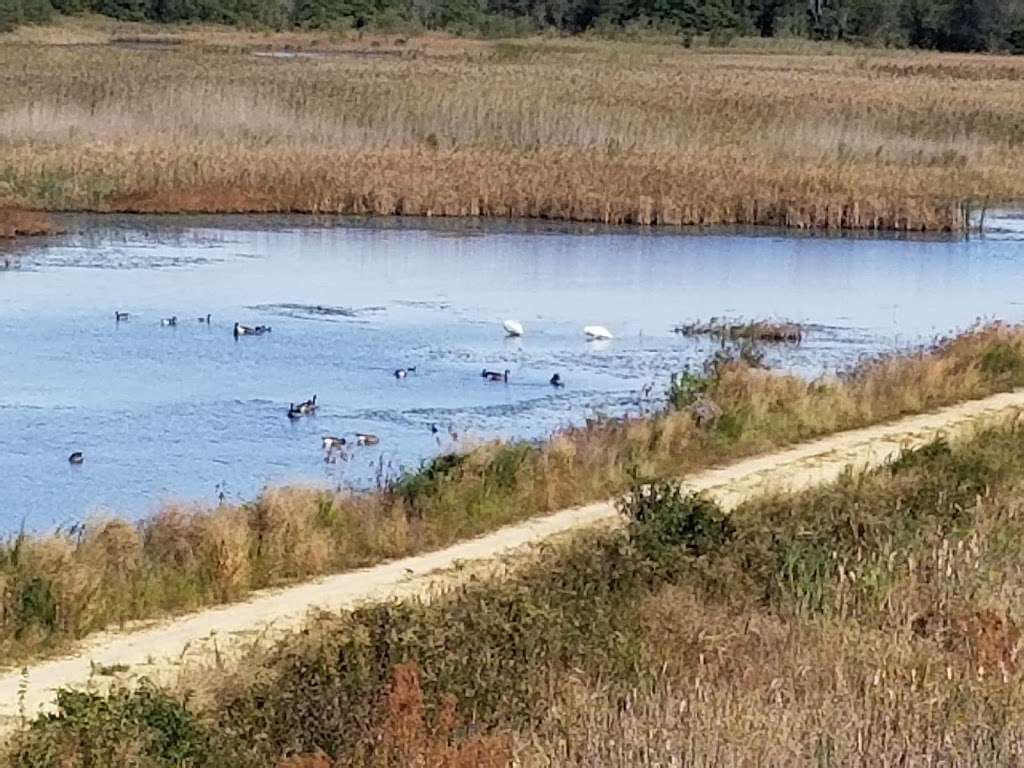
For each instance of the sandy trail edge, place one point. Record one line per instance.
(162, 649)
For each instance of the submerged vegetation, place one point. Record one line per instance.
(58, 588)
(870, 621)
(729, 329)
(205, 121)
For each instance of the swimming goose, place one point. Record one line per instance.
(330, 443)
(120, 316)
(304, 408)
(403, 373)
(495, 376)
(597, 332)
(556, 381)
(513, 328)
(76, 458)
(250, 330)
(169, 320)
(205, 320)
(363, 438)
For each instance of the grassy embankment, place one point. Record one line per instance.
(579, 129)
(871, 622)
(56, 589)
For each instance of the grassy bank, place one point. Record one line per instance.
(868, 622)
(56, 589)
(580, 129)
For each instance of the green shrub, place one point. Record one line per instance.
(144, 727)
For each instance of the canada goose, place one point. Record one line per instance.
(403, 373)
(120, 316)
(305, 408)
(205, 320)
(556, 381)
(513, 328)
(250, 330)
(433, 429)
(362, 438)
(169, 321)
(330, 443)
(597, 332)
(494, 375)
(76, 458)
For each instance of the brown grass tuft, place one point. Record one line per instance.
(18, 223)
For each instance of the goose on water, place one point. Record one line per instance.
(597, 332)
(205, 320)
(403, 373)
(495, 376)
(76, 458)
(513, 328)
(250, 330)
(120, 316)
(330, 443)
(304, 408)
(556, 381)
(169, 320)
(364, 438)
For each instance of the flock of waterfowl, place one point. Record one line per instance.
(330, 443)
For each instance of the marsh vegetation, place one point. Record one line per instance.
(577, 129)
(867, 621)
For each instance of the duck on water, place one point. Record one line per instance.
(305, 408)
(250, 330)
(495, 376)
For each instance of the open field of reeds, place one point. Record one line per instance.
(870, 622)
(59, 588)
(572, 129)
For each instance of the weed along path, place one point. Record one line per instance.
(165, 650)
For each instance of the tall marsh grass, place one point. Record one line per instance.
(872, 621)
(575, 130)
(55, 589)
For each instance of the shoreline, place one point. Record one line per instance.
(161, 650)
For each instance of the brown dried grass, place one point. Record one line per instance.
(19, 223)
(573, 130)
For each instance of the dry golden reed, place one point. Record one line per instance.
(578, 130)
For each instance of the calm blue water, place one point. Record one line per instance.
(187, 413)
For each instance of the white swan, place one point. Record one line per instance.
(597, 333)
(513, 328)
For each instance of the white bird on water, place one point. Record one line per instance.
(513, 328)
(597, 333)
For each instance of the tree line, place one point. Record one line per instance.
(948, 25)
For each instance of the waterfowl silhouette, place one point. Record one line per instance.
(495, 376)
(305, 408)
(250, 330)
(120, 316)
(403, 373)
(556, 381)
(597, 332)
(513, 328)
(364, 438)
(76, 458)
(169, 321)
(205, 320)
(330, 443)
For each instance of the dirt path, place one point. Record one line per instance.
(164, 649)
